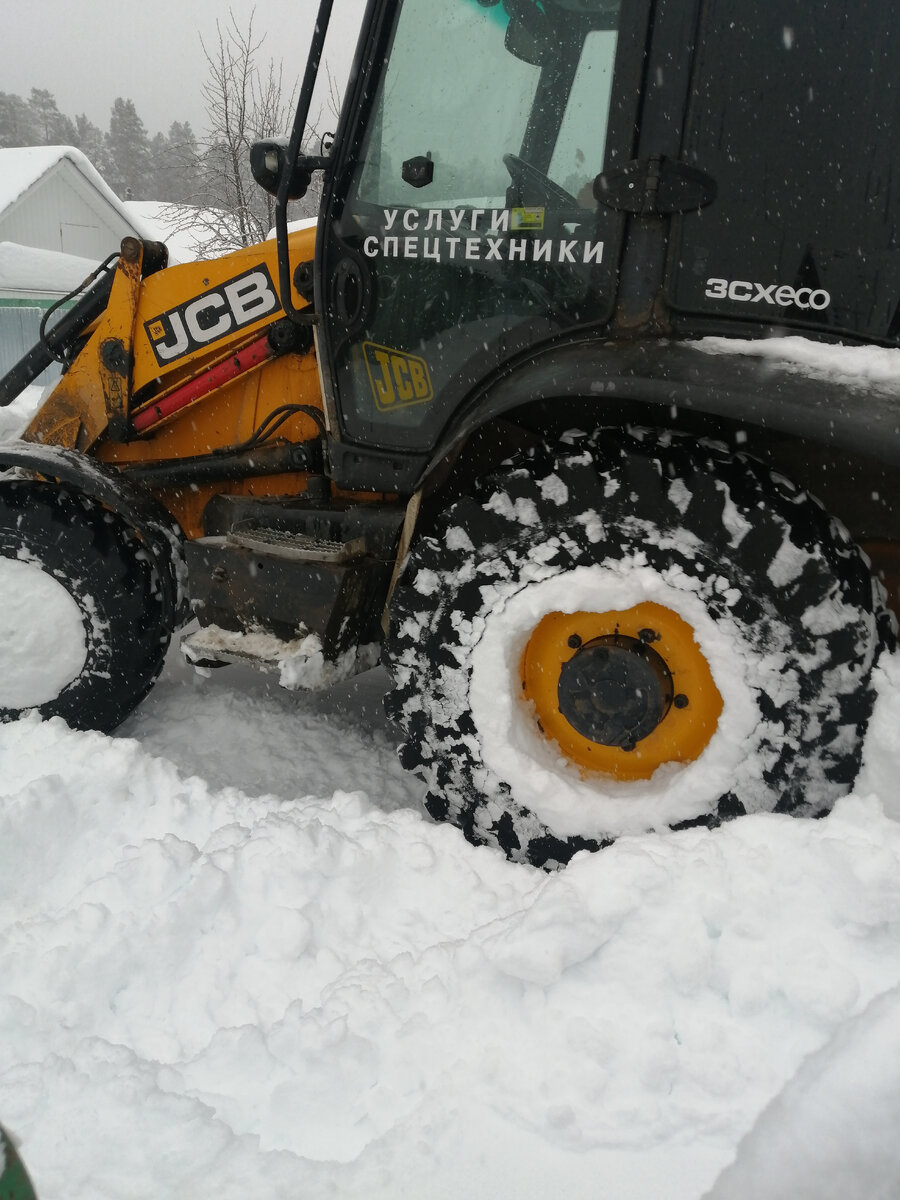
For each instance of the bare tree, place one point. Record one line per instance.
(319, 138)
(244, 103)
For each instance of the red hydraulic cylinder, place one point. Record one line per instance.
(196, 389)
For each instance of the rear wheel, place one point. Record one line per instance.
(82, 632)
(631, 632)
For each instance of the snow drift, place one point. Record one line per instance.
(235, 954)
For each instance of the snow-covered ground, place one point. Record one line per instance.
(237, 959)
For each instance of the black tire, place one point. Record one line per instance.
(100, 563)
(786, 591)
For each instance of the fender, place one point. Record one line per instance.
(858, 418)
(146, 516)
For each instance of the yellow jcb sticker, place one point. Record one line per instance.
(397, 379)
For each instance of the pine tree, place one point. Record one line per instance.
(174, 164)
(128, 168)
(89, 140)
(17, 126)
(182, 162)
(51, 127)
(157, 184)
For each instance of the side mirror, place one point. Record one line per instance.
(268, 162)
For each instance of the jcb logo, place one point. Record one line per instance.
(397, 379)
(216, 313)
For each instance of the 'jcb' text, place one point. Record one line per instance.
(215, 314)
(397, 379)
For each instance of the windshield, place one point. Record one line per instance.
(521, 79)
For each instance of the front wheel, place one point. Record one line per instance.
(82, 627)
(631, 632)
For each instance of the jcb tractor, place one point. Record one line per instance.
(537, 415)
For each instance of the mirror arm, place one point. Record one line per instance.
(291, 159)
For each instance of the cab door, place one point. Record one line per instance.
(461, 222)
(794, 111)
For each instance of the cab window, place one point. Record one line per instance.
(519, 79)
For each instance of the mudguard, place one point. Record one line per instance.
(155, 527)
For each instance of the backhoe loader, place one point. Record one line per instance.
(563, 412)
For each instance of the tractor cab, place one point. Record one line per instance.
(511, 176)
(469, 214)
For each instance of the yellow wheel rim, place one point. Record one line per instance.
(683, 732)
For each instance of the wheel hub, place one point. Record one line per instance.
(621, 693)
(615, 690)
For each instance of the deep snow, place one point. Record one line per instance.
(237, 958)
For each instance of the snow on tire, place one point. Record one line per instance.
(83, 634)
(670, 567)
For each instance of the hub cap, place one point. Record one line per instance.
(615, 690)
(621, 693)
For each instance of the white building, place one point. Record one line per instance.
(51, 198)
(58, 220)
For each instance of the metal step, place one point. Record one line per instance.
(300, 547)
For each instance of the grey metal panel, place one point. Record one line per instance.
(19, 331)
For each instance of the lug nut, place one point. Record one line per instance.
(648, 635)
(681, 700)
(574, 641)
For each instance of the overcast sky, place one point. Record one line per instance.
(149, 51)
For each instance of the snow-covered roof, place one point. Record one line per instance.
(23, 166)
(295, 226)
(26, 271)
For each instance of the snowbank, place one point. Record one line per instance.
(223, 964)
(16, 416)
(832, 1133)
(236, 957)
(25, 271)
